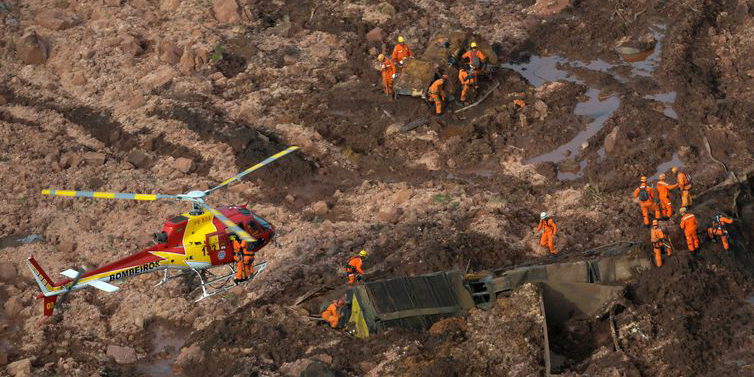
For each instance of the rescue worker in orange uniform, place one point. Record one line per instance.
(401, 52)
(718, 230)
(663, 191)
(331, 314)
(248, 261)
(683, 180)
(549, 229)
(657, 236)
(688, 224)
(355, 267)
(469, 83)
(437, 93)
(388, 74)
(646, 196)
(475, 58)
(239, 250)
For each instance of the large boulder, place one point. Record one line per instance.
(32, 49)
(54, 19)
(613, 140)
(226, 11)
(20, 368)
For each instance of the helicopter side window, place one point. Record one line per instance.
(261, 221)
(253, 226)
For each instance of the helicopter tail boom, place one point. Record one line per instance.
(46, 284)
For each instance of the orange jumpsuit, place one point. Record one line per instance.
(663, 191)
(437, 95)
(718, 229)
(657, 237)
(468, 81)
(401, 52)
(470, 57)
(688, 224)
(647, 205)
(549, 230)
(248, 262)
(388, 70)
(685, 186)
(354, 269)
(239, 249)
(331, 315)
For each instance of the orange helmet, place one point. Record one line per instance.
(655, 222)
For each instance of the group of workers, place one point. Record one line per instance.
(354, 272)
(473, 63)
(659, 204)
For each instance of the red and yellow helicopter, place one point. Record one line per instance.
(192, 242)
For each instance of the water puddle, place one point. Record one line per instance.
(166, 343)
(666, 166)
(750, 300)
(668, 99)
(20, 239)
(644, 63)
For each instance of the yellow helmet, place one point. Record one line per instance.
(473, 44)
(683, 209)
(400, 39)
(643, 179)
(674, 169)
(381, 57)
(362, 253)
(655, 222)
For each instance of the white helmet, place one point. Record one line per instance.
(543, 215)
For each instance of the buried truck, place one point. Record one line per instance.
(442, 56)
(571, 290)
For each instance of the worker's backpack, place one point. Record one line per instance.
(688, 177)
(643, 194)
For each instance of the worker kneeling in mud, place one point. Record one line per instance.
(355, 267)
(718, 230)
(332, 315)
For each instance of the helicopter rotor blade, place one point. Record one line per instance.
(107, 195)
(251, 169)
(232, 227)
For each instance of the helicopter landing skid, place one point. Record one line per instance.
(215, 284)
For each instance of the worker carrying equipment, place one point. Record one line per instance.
(437, 93)
(688, 224)
(663, 191)
(389, 73)
(549, 229)
(683, 180)
(646, 196)
(331, 314)
(355, 267)
(239, 255)
(401, 52)
(469, 82)
(475, 58)
(659, 242)
(718, 230)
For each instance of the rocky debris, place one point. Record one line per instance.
(20, 368)
(547, 169)
(320, 208)
(138, 159)
(191, 355)
(540, 109)
(183, 164)
(7, 272)
(375, 36)
(122, 355)
(188, 61)
(449, 327)
(13, 306)
(158, 78)
(54, 19)
(67, 246)
(95, 158)
(32, 49)
(390, 214)
(169, 53)
(612, 140)
(226, 11)
(569, 165)
(543, 8)
(131, 45)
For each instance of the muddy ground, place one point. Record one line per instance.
(108, 95)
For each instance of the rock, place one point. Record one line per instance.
(54, 19)
(3, 101)
(8, 272)
(95, 158)
(373, 51)
(401, 196)
(611, 140)
(392, 129)
(188, 63)
(136, 101)
(317, 369)
(32, 49)
(202, 58)
(366, 366)
(327, 359)
(684, 151)
(170, 53)
(226, 11)
(290, 198)
(390, 215)
(161, 77)
(449, 326)
(20, 368)
(570, 165)
(541, 108)
(544, 8)
(375, 35)
(431, 160)
(320, 50)
(547, 169)
(67, 246)
(13, 306)
(188, 357)
(77, 79)
(113, 3)
(183, 164)
(138, 159)
(131, 45)
(122, 355)
(387, 8)
(169, 5)
(296, 368)
(320, 208)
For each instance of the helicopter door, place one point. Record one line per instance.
(218, 247)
